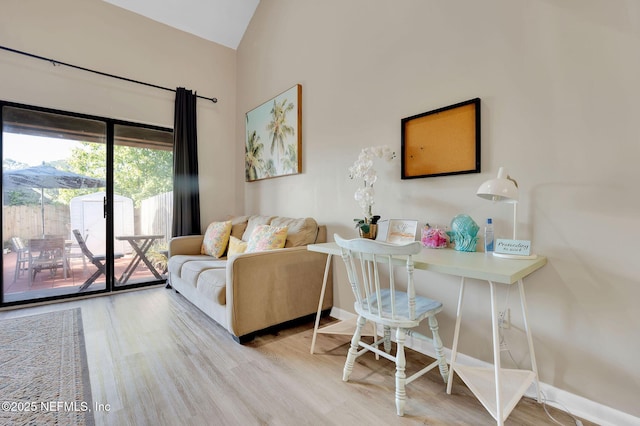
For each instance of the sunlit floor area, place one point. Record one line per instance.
(156, 359)
(54, 283)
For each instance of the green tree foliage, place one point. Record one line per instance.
(138, 173)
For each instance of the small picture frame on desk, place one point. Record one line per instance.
(401, 231)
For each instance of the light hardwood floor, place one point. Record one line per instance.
(157, 360)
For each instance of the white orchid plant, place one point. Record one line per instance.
(363, 169)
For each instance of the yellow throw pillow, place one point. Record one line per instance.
(236, 246)
(216, 238)
(265, 237)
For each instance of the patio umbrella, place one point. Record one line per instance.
(44, 176)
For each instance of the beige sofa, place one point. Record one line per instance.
(251, 292)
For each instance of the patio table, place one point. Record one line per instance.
(141, 245)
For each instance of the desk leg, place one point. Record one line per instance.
(456, 334)
(324, 288)
(496, 354)
(525, 317)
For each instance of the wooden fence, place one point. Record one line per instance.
(26, 221)
(153, 217)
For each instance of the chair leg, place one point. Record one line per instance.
(437, 345)
(16, 274)
(401, 377)
(90, 280)
(353, 350)
(387, 339)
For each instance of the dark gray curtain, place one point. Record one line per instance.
(186, 193)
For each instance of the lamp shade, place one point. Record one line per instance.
(503, 188)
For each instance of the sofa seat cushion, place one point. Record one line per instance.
(176, 262)
(191, 270)
(211, 285)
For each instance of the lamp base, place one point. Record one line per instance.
(515, 256)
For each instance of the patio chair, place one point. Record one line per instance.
(97, 260)
(75, 252)
(22, 259)
(46, 253)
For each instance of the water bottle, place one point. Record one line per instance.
(488, 236)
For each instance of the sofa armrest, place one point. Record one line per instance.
(271, 287)
(188, 244)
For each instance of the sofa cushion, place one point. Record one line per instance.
(216, 238)
(236, 246)
(211, 285)
(191, 270)
(266, 237)
(176, 262)
(239, 225)
(253, 222)
(300, 231)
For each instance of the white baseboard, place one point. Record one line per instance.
(558, 398)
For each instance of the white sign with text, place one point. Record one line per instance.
(517, 247)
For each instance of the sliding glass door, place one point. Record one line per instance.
(48, 194)
(86, 204)
(143, 202)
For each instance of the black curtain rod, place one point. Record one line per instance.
(54, 63)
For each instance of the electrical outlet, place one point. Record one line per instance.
(504, 319)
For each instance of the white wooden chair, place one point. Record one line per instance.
(379, 299)
(74, 251)
(22, 259)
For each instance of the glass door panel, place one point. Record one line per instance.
(54, 183)
(143, 203)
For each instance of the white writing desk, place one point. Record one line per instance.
(498, 389)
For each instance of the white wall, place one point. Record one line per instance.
(103, 37)
(559, 89)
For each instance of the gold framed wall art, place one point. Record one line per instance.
(273, 144)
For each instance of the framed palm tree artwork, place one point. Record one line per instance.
(273, 145)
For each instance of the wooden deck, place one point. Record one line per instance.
(46, 284)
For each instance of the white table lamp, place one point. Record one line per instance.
(503, 189)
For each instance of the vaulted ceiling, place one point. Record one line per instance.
(220, 21)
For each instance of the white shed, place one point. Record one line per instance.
(87, 216)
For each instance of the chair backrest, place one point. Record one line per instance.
(52, 246)
(375, 290)
(83, 244)
(18, 244)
